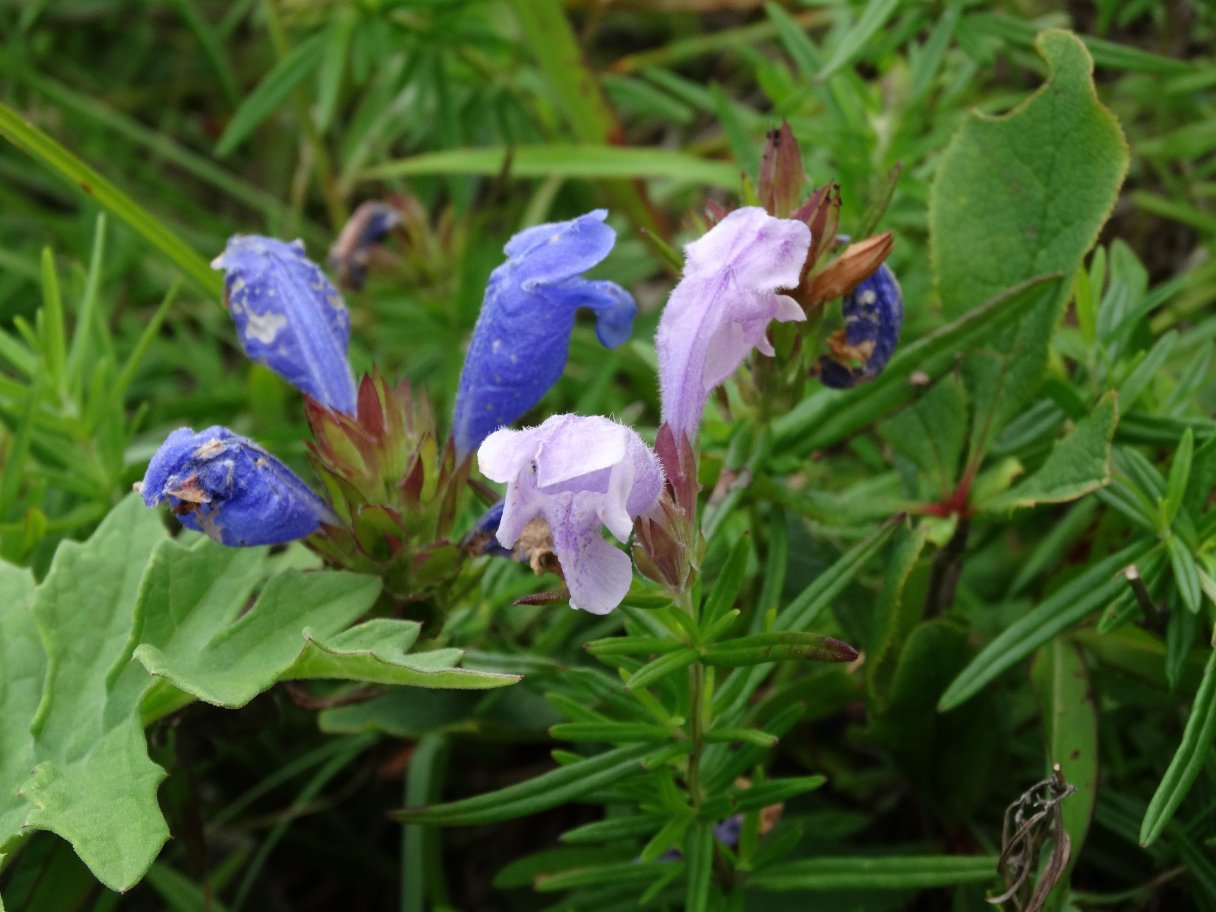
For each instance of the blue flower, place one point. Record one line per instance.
(522, 337)
(289, 317)
(231, 489)
(873, 316)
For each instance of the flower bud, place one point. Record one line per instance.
(289, 317)
(231, 489)
(873, 316)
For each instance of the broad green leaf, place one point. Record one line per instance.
(1188, 760)
(932, 431)
(1018, 196)
(1078, 463)
(23, 665)
(538, 794)
(558, 160)
(1070, 722)
(883, 873)
(375, 651)
(240, 660)
(1072, 602)
(271, 92)
(94, 784)
(401, 713)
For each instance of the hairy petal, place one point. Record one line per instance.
(722, 306)
(229, 488)
(522, 337)
(576, 473)
(289, 317)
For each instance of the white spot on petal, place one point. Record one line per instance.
(264, 327)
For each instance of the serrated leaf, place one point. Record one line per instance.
(375, 651)
(24, 665)
(1017, 196)
(1078, 463)
(94, 784)
(247, 657)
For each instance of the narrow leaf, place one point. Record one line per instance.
(548, 790)
(1188, 760)
(1084, 594)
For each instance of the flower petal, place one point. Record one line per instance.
(231, 489)
(597, 574)
(520, 344)
(289, 317)
(720, 309)
(577, 473)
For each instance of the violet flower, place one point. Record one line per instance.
(720, 309)
(576, 473)
(873, 316)
(289, 317)
(522, 336)
(231, 489)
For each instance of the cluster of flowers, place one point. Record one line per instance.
(570, 476)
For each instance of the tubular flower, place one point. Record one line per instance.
(873, 315)
(522, 336)
(289, 317)
(231, 489)
(722, 305)
(576, 473)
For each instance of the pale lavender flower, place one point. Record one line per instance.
(289, 317)
(720, 309)
(576, 473)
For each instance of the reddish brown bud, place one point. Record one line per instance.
(781, 174)
(856, 264)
